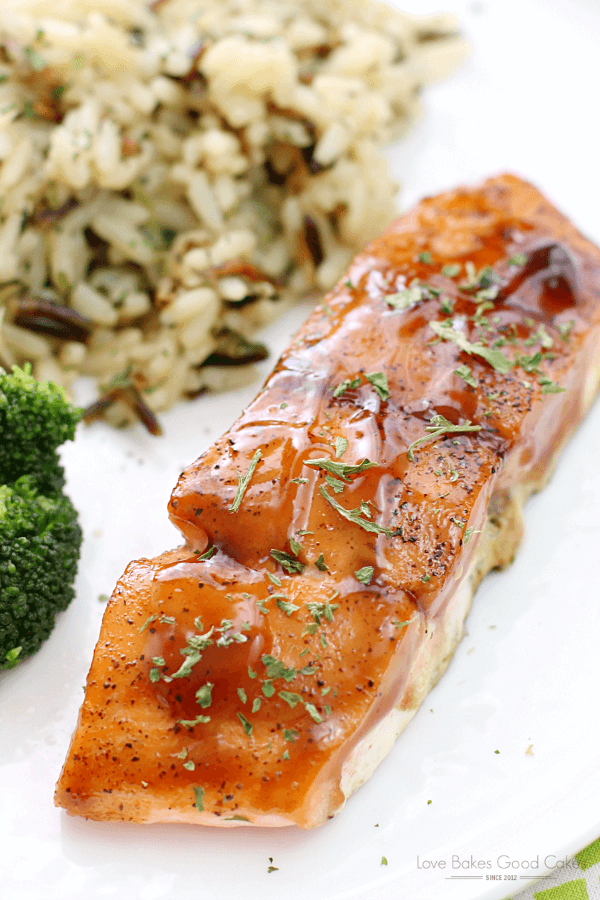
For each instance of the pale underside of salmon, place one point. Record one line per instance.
(336, 534)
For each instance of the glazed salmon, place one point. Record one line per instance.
(335, 535)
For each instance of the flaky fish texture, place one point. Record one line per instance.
(335, 535)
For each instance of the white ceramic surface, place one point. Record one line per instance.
(527, 672)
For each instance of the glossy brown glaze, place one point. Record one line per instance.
(298, 667)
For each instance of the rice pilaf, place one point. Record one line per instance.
(173, 176)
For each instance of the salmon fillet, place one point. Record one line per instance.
(335, 535)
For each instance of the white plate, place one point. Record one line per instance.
(526, 673)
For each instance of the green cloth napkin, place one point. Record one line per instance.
(578, 880)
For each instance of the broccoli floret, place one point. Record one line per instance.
(35, 419)
(40, 537)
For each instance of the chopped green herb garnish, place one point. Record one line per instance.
(204, 695)
(337, 485)
(468, 533)
(400, 624)
(357, 516)
(245, 723)
(149, 621)
(384, 861)
(447, 305)
(518, 259)
(488, 294)
(288, 562)
(290, 734)
(550, 387)
(190, 765)
(286, 607)
(479, 318)
(274, 579)
(479, 280)
(425, 257)
(208, 555)
(299, 480)
(268, 689)
(158, 661)
(196, 643)
(467, 376)
(321, 611)
(256, 704)
(341, 445)
(295, 547)
(189, 723)
(565, 328)
(425, 578)
(437, 427)
(238, 819)
(242, 695)
(340, 469)
(309, 629)
(260, 605)
(199, 795)
(365, 574)
(542, 336)
(347, 384)
(307, 670)
(494, 357)
(530, 363)
(227, 637)
(244, 481)
(311, 709)
(320, 563)
(406, 297)
(380, 383)
(323, 641)
(451, 270)
(277, 669)
(167, 620)
(154, 675)
(290, 698)
(251, 672)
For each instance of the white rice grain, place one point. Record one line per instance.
(232, 245)
(204, 202)
(93, 305)
(333, 142)
(22, 341)
(202, 302)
